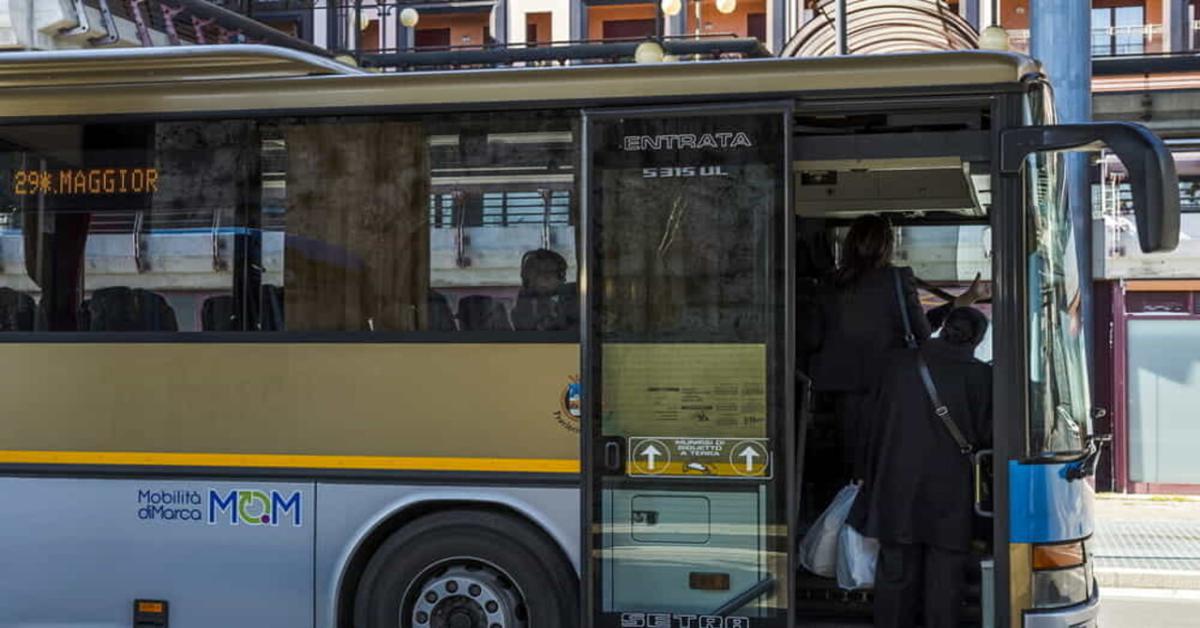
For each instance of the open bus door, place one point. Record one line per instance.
(688, 394)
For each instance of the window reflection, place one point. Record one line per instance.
(1060, 405)
(352, 224)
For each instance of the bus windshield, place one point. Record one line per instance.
(1059, 393)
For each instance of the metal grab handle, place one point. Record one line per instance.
(612, 456)
(111, 34)
(139, 259)
(977, 462)
(216, 242)
(459, 210)
(1086, 466)
(756, 590)
(546, 200)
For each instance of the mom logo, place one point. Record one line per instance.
(253, 507)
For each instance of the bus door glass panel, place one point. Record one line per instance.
(1059, 401)
(685, 355)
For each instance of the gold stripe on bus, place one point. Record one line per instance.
(388, 463)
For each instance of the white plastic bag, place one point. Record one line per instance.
(819, 548)
(856, 559)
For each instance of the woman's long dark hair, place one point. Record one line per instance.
(868, 246)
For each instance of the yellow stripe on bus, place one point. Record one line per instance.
(390, 463)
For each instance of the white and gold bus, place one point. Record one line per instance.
(290, 344)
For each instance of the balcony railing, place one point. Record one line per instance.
(582, 52)
(178, 22)
(1118, 41)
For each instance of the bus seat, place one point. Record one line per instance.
(441, 318)
(217, 314)
(482, 313)
(127, 309)
(272, 317)
(526, 317)
(17, 310)
(569, 298)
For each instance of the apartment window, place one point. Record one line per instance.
(628, 29)
(538, 28)
(1158, 302)
(369, 39)
(627, 21)
(1118, 30)
(756, 26)
(432, 38)
(288, 18)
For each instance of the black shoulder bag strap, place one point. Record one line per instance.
(940, 409)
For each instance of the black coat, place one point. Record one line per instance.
(919, 484)
(858, 325)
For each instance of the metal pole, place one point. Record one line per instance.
(1176, 22)
(989, 13)
(969, 9)
(843, 47)
(658, 21)
(357, 29)
(1061, 38)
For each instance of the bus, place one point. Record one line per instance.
(286, 343)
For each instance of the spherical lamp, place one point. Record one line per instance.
(409, 17)
(648, 52)
(993, 38)
(726, 6)
(671, 7)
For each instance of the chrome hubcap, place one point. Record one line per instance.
(465, 595)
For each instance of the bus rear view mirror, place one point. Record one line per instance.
(1152, 177)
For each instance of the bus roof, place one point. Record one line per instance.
(240, 78)
(160, 65)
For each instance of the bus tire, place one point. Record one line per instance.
(484, 568)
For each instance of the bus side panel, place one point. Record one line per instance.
(79, 552)
(349, 512)
(355, 399)
(1045, 506)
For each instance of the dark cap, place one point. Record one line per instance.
(964, 326)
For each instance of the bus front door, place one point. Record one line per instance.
(687, 368)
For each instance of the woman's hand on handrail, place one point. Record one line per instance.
(978, 291)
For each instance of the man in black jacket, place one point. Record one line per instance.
(918, 497)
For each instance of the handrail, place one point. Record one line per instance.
(250, 28)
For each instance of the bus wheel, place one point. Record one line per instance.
(467, 569)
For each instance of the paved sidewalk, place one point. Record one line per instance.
(1147, 542)
(1149, 608)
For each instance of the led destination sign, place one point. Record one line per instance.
(92, 181)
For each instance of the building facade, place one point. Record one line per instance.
(99, 24)
(1148, 313)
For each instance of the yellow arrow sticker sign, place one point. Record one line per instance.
(675, 456)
